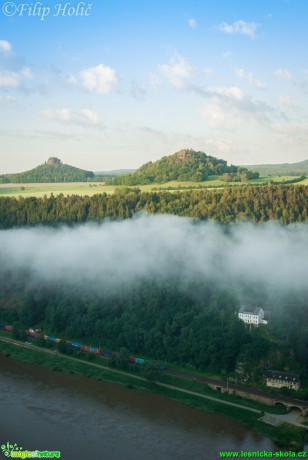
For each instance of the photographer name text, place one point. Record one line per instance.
(41, 11)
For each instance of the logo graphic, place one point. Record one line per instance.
(15, 451)
(8, 448)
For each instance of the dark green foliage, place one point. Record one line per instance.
(54, 172)
(63, 347)
(185, 165)
(120, 361)
(151, 373)
(18, 332)
(194, 325)
(285, 204)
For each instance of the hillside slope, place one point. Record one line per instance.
(185, 165)
(284, 169)
(51, 171)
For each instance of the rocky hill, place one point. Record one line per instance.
(185, 165)
(51, 171)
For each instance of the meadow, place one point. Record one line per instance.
(92, 188)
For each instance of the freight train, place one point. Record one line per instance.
(80, 346)
(77, 345)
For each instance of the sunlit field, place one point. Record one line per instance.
(91, 188)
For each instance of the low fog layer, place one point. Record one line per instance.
(113, 253)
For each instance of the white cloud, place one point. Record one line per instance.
(90, 117)
(9, 79)
(26, 73)
(177, 72)
(71, 81)
(154, 79)
(231, 106)
(5, 47)
(248, 76)
(233, 92)
(84, 117)
(100, 79)
(208, 72)
(240, 27)
(7, 100)
(217, 116)
(12, 79)
(219, 146)
(138, 90)
(12, 73)
(283, 73)
(291, 134)
(286, 101)
(192, 23)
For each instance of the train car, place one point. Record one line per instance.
(57, 340)
(45, 337)
(107, 353)
(98, 351)
(132, 359)
(76, 344)
(68, 342)
(8, 328)
(1, 326)
(52, 339)
(140, 361)
(85, 348)
(36, 335)
(93, 349)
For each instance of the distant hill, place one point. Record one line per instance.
(114, 172)
(185, 165)
(51, 171)
(284, 169)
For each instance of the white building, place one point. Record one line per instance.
(277, 379)
(251, 314)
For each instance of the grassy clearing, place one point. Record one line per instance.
(286, 436)
(39, 190)
(91, 188)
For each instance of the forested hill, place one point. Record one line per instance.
(185, 165)
(51, 171)
(284, 169)
(285, 204)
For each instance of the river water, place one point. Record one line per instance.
(87, 419)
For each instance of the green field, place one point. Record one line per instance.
(91, 188)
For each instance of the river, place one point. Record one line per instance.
(87, 419)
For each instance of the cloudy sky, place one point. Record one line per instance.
(114, 84)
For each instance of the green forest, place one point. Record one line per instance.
(193, 324)
(185, 165)
(52, 171)
(285, 204)
(190, 322)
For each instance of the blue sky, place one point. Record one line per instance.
(135, 80)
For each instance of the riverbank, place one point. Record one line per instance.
(285, 436)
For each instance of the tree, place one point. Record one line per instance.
(151, 372)
(121, 360)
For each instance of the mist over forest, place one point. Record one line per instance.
(166, 287)
(99, 256)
